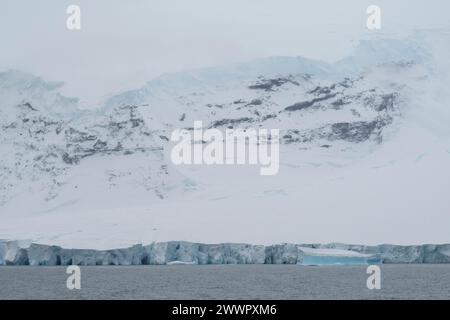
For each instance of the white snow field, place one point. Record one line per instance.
(365, 154)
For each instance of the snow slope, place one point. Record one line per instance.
(365, 154)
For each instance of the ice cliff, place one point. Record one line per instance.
(180, 252)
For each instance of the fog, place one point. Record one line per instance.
(123, 44)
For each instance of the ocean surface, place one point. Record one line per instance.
(227, 282)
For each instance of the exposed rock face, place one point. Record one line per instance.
(353, 132)
(181, 252)
(307, 104)
(229, 122)
(270, 84)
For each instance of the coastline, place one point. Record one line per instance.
(182, 252)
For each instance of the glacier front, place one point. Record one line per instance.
(189, 253)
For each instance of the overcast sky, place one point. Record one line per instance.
(122, 44)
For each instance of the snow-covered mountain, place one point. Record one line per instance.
(354, 135)
(45, 150)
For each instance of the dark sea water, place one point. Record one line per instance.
(227, 282)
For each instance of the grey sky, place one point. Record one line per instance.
(122, 44)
